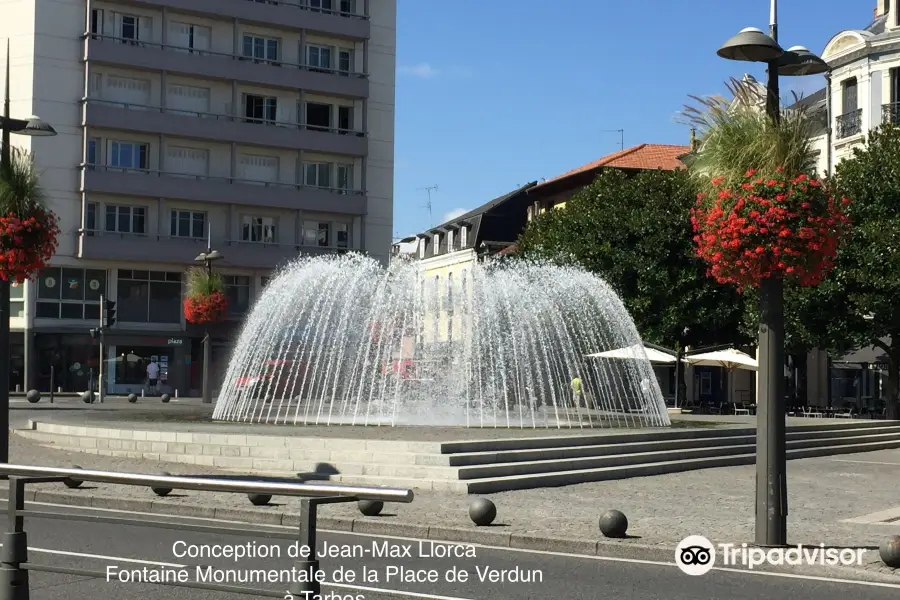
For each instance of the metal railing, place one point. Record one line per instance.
(15, 565)
(890, 113)
(849, 124)
(305, 5)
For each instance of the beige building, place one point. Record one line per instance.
(264, 128)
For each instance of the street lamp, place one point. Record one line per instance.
(771, 468)
(207, 258)
(32, 126)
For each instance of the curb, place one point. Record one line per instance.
(487, 536)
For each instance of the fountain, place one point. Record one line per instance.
(341, 340)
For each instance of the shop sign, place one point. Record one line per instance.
(175, 341)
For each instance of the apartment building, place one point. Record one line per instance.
(263, 128)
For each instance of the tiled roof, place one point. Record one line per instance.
(643, 157)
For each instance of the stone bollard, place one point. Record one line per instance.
(890, 552)
(370, 508)
(165, 398)
(482, 511)
(87, 397)
(132, 398)
(33, 396)
(69, 482)
(259, 499)
(162, 491)
(613, 524)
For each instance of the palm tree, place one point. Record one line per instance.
(20, 190)
(737, 135)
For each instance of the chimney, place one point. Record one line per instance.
(693, 139)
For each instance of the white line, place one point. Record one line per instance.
(136, 561)
(396, 592)
(634, 561)
(865, 462)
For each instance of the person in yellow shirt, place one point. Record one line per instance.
(577, 391)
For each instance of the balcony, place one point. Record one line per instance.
(848, 124)
(220, 190)
(890, 113)
(222, 128)
(280, 13)
(176, 250)
(224, 67)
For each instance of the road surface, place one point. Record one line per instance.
(132, 548)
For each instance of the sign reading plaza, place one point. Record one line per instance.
(377, 562)
(696, 555)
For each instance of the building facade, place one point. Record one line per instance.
(263, 129)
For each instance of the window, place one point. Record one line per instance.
(131, 28)
(318, 116)
(129, 155)
(318, 57)
(705, 383)
(237, 288)
(126, 219)
(258, 229)
(422, 249)
(17, 299)
(450, 237)
(149, 297)
(320, 5)
(189, 38)
(342, 234)
(345, 61)
(435, 245)
(849, 96)
(344, 177)
(93, 152)
(260, 109)
(90, 218)
(323, 235)
(188, 224)
(348, 7)
(345, 119)
(463, 236)
(97, 22)
(70, 293)
(260, 49)
(264, 282)
(317, 174)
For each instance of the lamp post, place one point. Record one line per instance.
(771, 469)
(32, 126)
(207, 258)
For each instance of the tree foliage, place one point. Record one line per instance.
(635, 232)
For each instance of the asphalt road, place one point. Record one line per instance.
(99, 546)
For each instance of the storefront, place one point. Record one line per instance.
(16, 361)
(65, 360)
(129, 356)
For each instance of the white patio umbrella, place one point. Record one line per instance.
(730, 359)
(636, 352)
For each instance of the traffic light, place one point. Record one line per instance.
(109, 313)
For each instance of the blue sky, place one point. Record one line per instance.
(492, 94)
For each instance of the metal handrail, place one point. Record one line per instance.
(313, 490)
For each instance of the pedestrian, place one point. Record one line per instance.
(152, 376)
(577, 391)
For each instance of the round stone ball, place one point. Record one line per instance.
(165, 398)
(88, 397)
(370, 508)
(33, 396)
(132, 398)
(72, 483)
(613, 524)
(482, 511)
(259, 499)
(162, 491)
(890, 552)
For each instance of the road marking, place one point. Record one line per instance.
(635, 561)
(865, 462)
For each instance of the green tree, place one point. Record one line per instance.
(635, 232)
(856, 306)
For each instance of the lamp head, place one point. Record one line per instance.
(37, 127)
(798, 60)
(751, 45)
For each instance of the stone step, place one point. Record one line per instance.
(638, 458)
(437, 485)
(607, 449)
(521, 482)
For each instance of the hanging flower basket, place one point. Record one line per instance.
(769, 227)
(206, 301)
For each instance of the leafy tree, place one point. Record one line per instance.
(635, 232)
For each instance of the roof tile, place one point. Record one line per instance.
(643, 157)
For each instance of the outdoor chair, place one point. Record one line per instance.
(741, 409)
(848, 412)
(812, 412)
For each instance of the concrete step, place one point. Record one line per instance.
(638, 458)
(442, 485)
(607, 449)
(521, 482)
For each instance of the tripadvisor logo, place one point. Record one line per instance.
(696, 555)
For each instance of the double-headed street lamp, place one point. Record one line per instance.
(771, 468)
(32, 126)
(207, 258)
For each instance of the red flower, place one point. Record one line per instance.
(761, 228)
(27, 242)
(203, 309)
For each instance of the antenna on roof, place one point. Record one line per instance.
(621, 133)
(428, 190)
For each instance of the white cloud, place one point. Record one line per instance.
(456, 212)
(422, 70)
